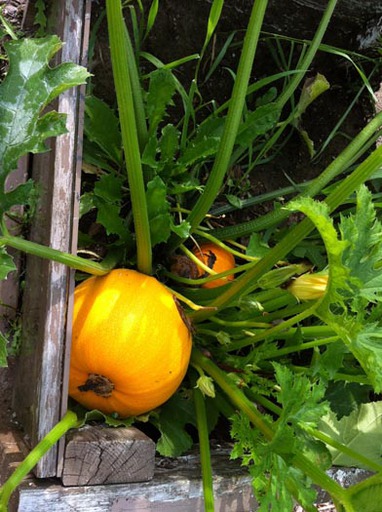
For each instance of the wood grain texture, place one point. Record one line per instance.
(97, 455)
(38, 394)
(176, 487)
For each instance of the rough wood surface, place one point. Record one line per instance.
(176, 487)
(97, 455)
(39, 397)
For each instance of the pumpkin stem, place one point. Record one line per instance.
(99, 384)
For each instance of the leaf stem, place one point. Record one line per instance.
(127, 114)
(247, 282)
(205, 454)
(72, 261)
(68, 422)
(239, 399)
(232, 122)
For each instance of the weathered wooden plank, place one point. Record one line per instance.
(176, 487)
(97, 455)
(39, 397)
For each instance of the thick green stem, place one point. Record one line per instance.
(68, 422)
(136, 90)
(247, 282)
(238, 398)
(205, 454)
(122, 81)
(233, 119)
(72, 261)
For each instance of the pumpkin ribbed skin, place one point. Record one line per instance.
(128, 338)
(216, 259)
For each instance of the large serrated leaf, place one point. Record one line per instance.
(360, 431)
(28, 88)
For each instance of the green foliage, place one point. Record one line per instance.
(360, 430)
(300, 362)
(353, 279)
(40, 18)
(174, 416)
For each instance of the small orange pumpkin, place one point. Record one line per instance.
(131, 346)
(216, 259)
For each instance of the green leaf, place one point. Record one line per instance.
(340, 306)
(96, 415)
(258, 122)
(366, 496)
(363, 254)
(272, 475)
(3, 351)
(182, 230)
(107, 199)
(109, 188)
(361, 431)
(20, 195)
(197, 150)
(169, 143)
(257, 247)
(102, 128)
(346, 397)
(158, 211)
(161, 90)
(28, 88)
(313, 87)
(7, 264)
(234, 201)
(301, 399)
(40, 18)
(109, 216)
(173, 417)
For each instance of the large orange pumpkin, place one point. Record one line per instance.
(131, 346)
(216, 259)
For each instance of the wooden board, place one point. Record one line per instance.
(176, 487)
(40, 395)
(97, 455)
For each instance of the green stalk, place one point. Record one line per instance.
(238, 398)
(72, 261)
(234, 115)
(343, 449)
(303, 346)
(68, 422)
(122, 80)
(321, 436)
(136, 90)
(247, 282)
(205, 454)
